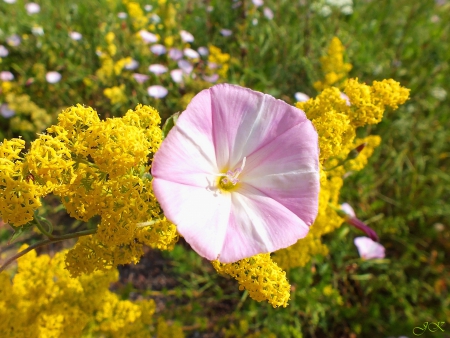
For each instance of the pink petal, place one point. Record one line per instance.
(369, 249)
(251, 227)
(277, 196)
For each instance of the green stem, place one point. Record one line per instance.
(41, 227)
(53, 239)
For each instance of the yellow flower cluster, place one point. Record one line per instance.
(110, 68)
(138, 18)
(336, 121)
(96, 168)
(334, 69)
(218, 62)
(44, 301)
(261, 277)
(116, 94)
(28, 117)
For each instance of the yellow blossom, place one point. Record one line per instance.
(261, 277)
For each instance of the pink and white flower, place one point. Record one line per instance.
(75, 36)
(177, 75)
(122, 15)
(239, 173)
(186, 36)
(6, 112)
(368, 248)
(140, 78)
(53, 77)
(186, 66)
(258, 3)
(190, 53)
(157, 69)
(3, 51)
(13, 40)
(175, 54)
(350, 218)
(132, 65)
(226, 32)
(157, 91)
(268, 13)
(211, 78)
(203, 51)
(6, 76)
(148, 37)
(158, 49)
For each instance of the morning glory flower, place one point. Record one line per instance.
(190, 53)
(53, 77)
(301, 97)
(3, 51)
(6, 112)
(157, 91)
(175, 54)
(268, 13)
(158, 49)
(6, 76)
(13, 40)
(32, 8)
(10, 1)
(238, 173)
(148, 37)
(157, 69)
(177, 75)
(203, 51)
(132, 65)
(226, 32)
(122, 15)
(258, 3)
(186, 36)
(140, 78)
(368, 248)
(75, 36)
(186, 66)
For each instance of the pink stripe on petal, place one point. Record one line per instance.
(201, 216)
(258, 224)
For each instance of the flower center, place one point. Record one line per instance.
(229, 180)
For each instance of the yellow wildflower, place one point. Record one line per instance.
(261, 277)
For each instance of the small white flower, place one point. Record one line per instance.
(157, 91)
(186, 66)
(190, 53)
(301, 97)
(369, 249)
(254, 21)
(6, 112)
(209, 9)
(32, 8)
(177, 75)
(226, 32)
(258, 3)
(75, 36)
(211, 78)
(203, 51)
(157, 69)
(10, 1)
(3, 51)
(36, 30)
(148, 8)
(140, 78)
(347, 10)
(6, 76)
(122, 15)
(148, 37)
(132, 65)
(53, 77)
(439, 93)
(158, 49)
(268, 13)
(186, 36)
(13, 40)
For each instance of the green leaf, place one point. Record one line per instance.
(18, 231)
(169, 124)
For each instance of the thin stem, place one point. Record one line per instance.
(53, 239)
(41, 227)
